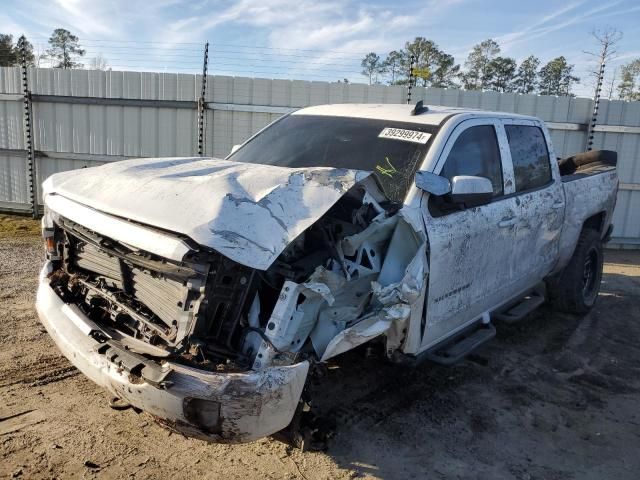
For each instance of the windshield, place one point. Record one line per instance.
(392, 150)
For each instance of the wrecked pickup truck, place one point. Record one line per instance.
(204, 290)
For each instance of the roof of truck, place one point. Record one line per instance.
(399, 112)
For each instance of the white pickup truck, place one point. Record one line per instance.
(203, 290)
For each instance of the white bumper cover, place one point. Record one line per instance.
(252, 404)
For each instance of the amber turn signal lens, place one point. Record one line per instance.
(50, 245)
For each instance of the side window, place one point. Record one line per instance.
(530, 156)
(476, 152)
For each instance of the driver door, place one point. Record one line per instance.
(470, 249)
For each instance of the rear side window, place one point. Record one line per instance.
(476, 153)
(530, 156)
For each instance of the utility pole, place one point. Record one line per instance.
(201, 101)
(607, 40)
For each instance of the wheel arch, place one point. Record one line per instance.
(595, 222)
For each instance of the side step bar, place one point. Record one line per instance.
(516, 312)
(456, 348)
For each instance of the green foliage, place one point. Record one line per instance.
(526, 80)
(64, 46)
(499, 74)
(393, 65)
(10, 54)
(425, 55)
(477, 63)
(484, 69)
(446, 71)
(372, 66)
(556, 77)
(629, 86)
(431, 66)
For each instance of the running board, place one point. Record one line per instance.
(522, 308)
(456, 348)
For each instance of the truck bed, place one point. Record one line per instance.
(588, 170)
(589, 192)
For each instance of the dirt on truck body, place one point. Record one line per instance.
(205, 291)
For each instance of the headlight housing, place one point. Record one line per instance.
(51, 237)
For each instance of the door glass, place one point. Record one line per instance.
(530, 156)
(476, 152)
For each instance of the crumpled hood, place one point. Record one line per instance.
(247, 212)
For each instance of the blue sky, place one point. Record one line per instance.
(319, 39)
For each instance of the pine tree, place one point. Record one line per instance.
(64, 45)
(393, 65)
(527, 77)
(475, 77)
(500, 74)
(372, 66)
(556, 77)
(629, 86)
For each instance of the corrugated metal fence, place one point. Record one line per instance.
(87, 117)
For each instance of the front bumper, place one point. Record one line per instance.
(251, 405)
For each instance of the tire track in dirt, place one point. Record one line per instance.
(54, 369)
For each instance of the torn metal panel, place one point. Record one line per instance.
(339, 321)
(395, 304)
(292, 319)
(349, 303)
(365, 330)
(378, 231)
(249, 213)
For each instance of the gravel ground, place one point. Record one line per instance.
(553, 397)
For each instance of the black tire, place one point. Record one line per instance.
(576, 288)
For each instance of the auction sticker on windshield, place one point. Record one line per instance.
(405, 135)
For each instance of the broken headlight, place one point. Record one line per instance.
(51, 238)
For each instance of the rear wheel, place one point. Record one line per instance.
(576, 289)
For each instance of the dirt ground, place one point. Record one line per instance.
(554, 397)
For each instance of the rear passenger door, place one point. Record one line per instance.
(539, 202)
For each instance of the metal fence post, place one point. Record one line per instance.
(596, 106)
(410, 79)
(201, 102)
(28, 131)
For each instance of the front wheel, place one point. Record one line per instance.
(576, 289)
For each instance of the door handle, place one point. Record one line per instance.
(558, 205)
(507, 222)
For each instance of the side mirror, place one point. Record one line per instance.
(471, 191)
(234, 148)
(432, 183)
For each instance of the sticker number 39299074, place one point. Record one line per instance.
(404, 135)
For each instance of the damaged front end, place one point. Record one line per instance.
(217, 349)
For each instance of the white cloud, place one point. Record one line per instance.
(547, 25)
(88, 17)
(311, 24)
